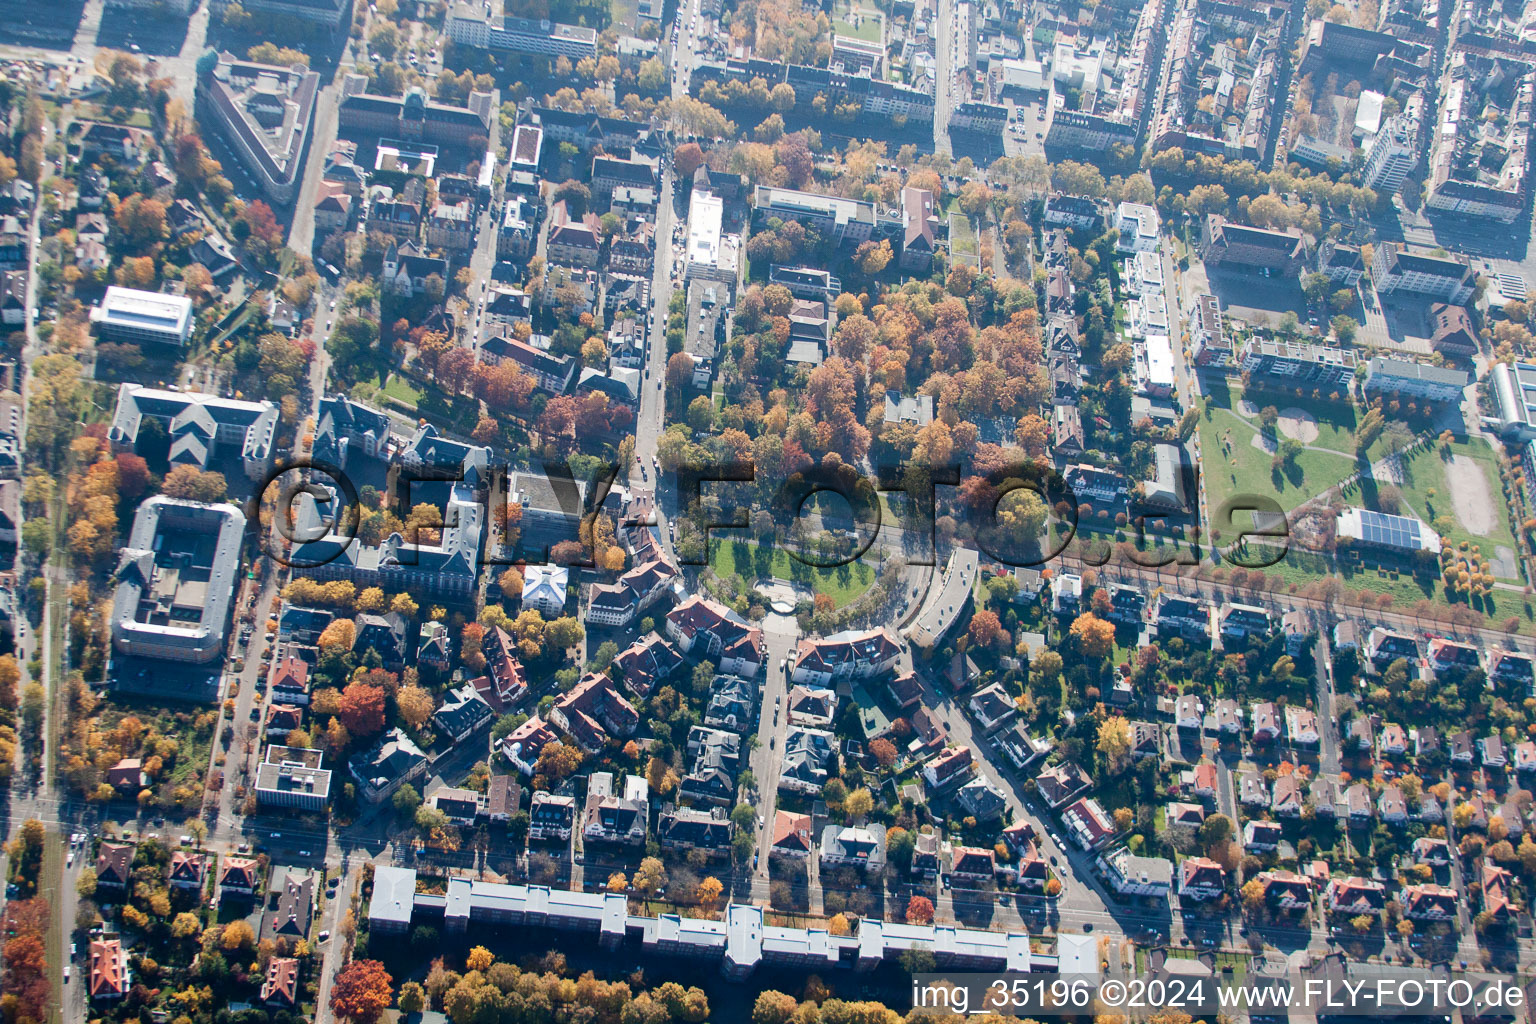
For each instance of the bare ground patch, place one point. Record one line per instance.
(1298, 424)
(1468, 485)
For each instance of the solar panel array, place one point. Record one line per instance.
(1389, 530)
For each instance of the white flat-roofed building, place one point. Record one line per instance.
(848, 221)
(1159, 375)
(487, 27)
(133, 316)
(1137, 225)
(712, 255)
(292, 777)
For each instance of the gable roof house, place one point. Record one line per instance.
(791, 835)
(717, 632)
(846, 655)
(295, 905)
(187, 870)
(109, 976)
(592, 709)
(114, 864)
(237, 877)
(281, 986)
(647, 662)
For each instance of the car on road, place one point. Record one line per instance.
(66, 973)
(324, 935)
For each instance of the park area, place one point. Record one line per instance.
(1455, 489)
(1239, 454)
(751, 562)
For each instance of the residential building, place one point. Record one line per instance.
(1130, 875)
(850, 654)
(610, 818)
(393, 761)
(544, 588)
(109, 976)
(686, 828)
(293, 777)
(551, 817)
(281, 986)
(1088, 824)
(791, 835)
(849, 846)
(489, 27)
(1201, 878)
(1138, 227)
(1446, 278)
(701, 627)
(1224, 244)
(1352, 896)
(591, 710)
(462, 714)
(1409, 381)
(1290, 364)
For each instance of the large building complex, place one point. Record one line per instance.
(413, 117)
(198, 428)
(266, 112)
(324, 12)
(1240, 49)
(1449, 279)
(486, 27)
(1479, 163)
(176, 580)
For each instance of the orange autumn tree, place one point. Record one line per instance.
(362, 992)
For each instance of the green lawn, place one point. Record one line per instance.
(1234, 466)
(399, 388)
(1335, 420)
(1301, 568)
(751, 562)
(1428, 470)
(867, 30)
(962, 237)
